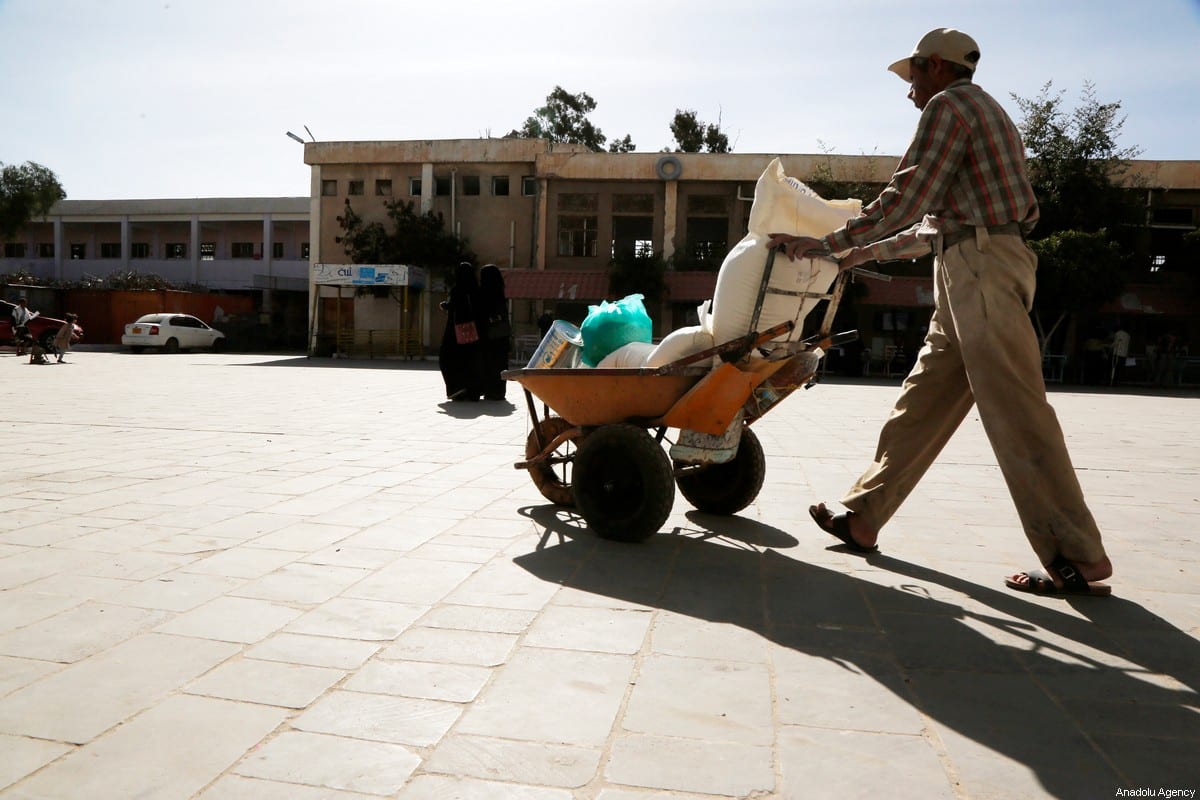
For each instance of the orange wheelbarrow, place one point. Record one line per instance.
(596, 452)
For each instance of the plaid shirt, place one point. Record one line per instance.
(965, 166)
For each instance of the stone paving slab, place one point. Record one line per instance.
(269, 577)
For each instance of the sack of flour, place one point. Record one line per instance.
(781, 205)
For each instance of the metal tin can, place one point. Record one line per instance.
(560, 348)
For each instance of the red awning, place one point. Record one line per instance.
(561, 284)
(538, 284)
(690, 287)
(901, 291)
(1146, 299)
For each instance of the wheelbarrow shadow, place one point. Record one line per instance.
(1086, 703)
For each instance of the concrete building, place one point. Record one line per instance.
(217, 243)
(556, 215)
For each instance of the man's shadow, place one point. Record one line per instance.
(1092, 696)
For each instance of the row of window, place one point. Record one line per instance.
(470, 185)
(172, 250)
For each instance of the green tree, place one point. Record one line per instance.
(1081, 178)
(564, 118)
(1077, 169)
(625, 145)
(629, 273)
(26, 191)
(692, 135)
(414, 238)
(1077, 271)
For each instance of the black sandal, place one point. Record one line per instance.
(839, 526)
(1039, 582)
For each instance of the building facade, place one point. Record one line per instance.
(555, 216)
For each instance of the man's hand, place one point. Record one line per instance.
(852, 259)
(803, 246)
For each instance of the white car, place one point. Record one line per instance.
(171, 332)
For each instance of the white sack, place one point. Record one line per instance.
(781, 205)
(679, 344)
(628, 356)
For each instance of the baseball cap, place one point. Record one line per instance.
(948, 43)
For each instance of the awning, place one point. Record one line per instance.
(1144, 299)
(900, 291)
(536, 284)
(539, 284)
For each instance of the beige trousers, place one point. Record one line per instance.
(981, 350)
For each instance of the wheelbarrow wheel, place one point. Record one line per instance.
(553, 480)
(726, 488)
(624, 486)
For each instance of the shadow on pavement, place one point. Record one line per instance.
(481, 408)
(341, 363)
(1088, 704)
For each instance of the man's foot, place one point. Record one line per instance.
(849, 528)
(1065, 577)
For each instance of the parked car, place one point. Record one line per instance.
(172, 333)
(42, 328)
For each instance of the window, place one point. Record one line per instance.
(383, 188)
(176, 250)
(139, 250)
(242, 250)
(707, 239)
(577, 236)
(45, 249)
(14, 249)
(1179, 215)
(414, 187)
(329, 188)
(708, 204)
(304, 250)
(441, 187)
(1157, 263)
(500, 185)
(110, 249)
(633, 203)
(528, 186)
(78, 251)
(355, 187)
(276, 249)
(633, 236)
(579, 201)
(208, 251)
(470, 184)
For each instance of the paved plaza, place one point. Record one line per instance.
(266, 577)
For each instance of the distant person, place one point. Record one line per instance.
(1094, 362)
(21, 316)
(1168, 352)
(1120, 353)
(545, 321)
(458, 356)
(495, 332)
(64, 337)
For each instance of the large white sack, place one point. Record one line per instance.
(781, 205)
(627, 356)
(679, 344)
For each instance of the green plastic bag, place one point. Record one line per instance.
(610, 326)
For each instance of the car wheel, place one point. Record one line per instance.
(47, 340)
(218, 345)
(172, 345)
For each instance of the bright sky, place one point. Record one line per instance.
(191, 98)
